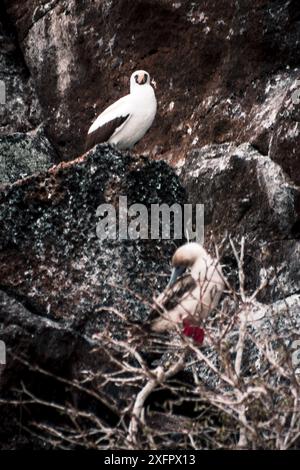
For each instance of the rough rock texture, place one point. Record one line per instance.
(24, 148)
(56, 273)
(24, 154)
(246, 193)
(21, 112)
(284, 143)
(224, 69)
(233, 182)
(30, 335)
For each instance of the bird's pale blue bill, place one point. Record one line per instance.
(176, 273)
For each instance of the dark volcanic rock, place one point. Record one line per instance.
(41, 341)
(24, 154)
(56, 275)
(244, 192)
(228, 89)
(49, 250)
(25, 332)
(285, 142)
(247, 194)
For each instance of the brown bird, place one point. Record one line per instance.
(190, 296)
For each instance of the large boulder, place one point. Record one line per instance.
(227, 75)
(244, 192)
(49, 250)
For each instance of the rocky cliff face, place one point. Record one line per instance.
(22, 111)
(227, 130)
(58, 278)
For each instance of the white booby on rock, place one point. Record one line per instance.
(189, 297)
(127, 120)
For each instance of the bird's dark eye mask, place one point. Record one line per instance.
(143, 81)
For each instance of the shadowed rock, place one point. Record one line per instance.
(55, 274)
(227, 74)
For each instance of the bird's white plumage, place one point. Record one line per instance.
(205, 285)
(140, 108)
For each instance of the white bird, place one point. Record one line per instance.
(127, 120)
(190, 297)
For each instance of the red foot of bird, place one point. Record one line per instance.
(194, 332)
